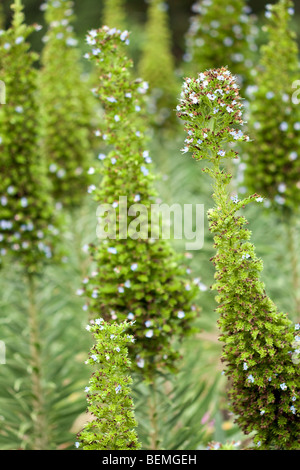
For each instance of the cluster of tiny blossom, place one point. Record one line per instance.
(222, 33)
(212, 100)
(273, 164)
(140, 279)
(108, 394)
(28, 226)
(67, 148)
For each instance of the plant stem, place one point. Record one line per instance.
(40, 438)
(291, 235)
(154, 432)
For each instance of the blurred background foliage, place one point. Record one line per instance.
(186, 411)
(89, 14)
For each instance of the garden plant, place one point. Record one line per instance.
(149, 230)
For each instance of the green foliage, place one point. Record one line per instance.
(137, 276)
(113, 424)
(66, 108)
(273, 163)
(40, 399)
(114, 14)
(157, 64)
(221, 34)
(260, 343)
(177, 411)
(28, 226)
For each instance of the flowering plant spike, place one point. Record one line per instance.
(67, 108)
(261, 345)
(157, 65)
(114, 13)
(138, 276)
(28, 226)
(273, 164)
(222, 33)
(108, 394)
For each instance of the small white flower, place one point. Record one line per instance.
(124, 35)
(71, 42)
(149, 334)
(284, 126)
(181, 314)
(140, 362)
(96, 51)
(234, 199)
(91, 41)
(91, 188)
(112, 250)
(134, 267)
(24, 202)
(144, 170)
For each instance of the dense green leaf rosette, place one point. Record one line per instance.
(138, 275)
(66, 108)
(222, 34)
(28, 227)
(113, 423)
(261, 345)
(273, 164)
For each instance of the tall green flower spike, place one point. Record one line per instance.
(137, 276)
(273, 164)
(261, 345)
(157, 64)
(108, 394)
(28, 229)
(222, 33)
(114, 13)
(66, 108)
